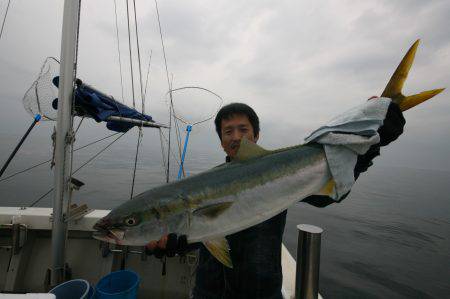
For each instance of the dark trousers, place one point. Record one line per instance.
(256, 257)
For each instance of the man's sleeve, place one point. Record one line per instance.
(391, 129)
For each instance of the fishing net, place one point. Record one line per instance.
(39, 97)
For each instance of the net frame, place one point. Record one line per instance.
(39, 96)
(186, 122)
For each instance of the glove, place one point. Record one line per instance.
(392, 126)
(174, 245)
(391, 129)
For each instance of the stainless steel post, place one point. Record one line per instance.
(64, 137)
(308, 262)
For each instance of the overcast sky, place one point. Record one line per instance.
(297, 63)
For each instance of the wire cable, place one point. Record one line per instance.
(177, 128)
(79, 125)
(84, 164)
(49, 160)
(161, 142)
(118, 49)
(148, 72)
(168, 83)
(139, 58)
(131, 58)
(4, 19)
(171, 152)
(135, 161)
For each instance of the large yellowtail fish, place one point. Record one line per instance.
(255, 186)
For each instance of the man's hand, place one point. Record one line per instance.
(169, 245)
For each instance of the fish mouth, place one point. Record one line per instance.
(115, 236)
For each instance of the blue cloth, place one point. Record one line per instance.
(92, 103)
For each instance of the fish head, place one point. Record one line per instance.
(127, 225)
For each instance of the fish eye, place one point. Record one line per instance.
(130, 221)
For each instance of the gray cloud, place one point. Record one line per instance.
(298, 63)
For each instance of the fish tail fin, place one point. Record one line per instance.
(411, 101)
(394, 87)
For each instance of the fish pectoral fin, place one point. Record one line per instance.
(213, 210)
(248, 150)
(220, 249)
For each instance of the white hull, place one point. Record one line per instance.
(26, 270)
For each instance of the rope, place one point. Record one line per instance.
(84, 164)
(139, 58)
(131, 60)
(4, 19)
(168, 83)
(135, 161)
(118, 49)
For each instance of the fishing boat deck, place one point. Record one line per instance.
(25, 257)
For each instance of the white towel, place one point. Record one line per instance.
(348, 135)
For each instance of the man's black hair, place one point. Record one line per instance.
(228, 111)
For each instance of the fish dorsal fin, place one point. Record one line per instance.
(248, 150)
(220, 249)
(212, 210)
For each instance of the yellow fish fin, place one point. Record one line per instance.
(394, 87)
(220, 249)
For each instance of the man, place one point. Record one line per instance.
(256, 251)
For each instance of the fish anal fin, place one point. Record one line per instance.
(212, 210)
(248, 150)
(328, 189)
(220, 249)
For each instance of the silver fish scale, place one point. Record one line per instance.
(258, 188)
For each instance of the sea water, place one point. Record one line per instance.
(389, 239)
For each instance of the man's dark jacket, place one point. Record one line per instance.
(256, 251)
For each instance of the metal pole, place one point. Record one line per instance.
(37, 117)
(64, 137)
(308, 262)
(188, 130)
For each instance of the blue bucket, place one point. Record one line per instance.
(118, 285)
(73, 289)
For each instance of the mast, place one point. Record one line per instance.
(64, 137)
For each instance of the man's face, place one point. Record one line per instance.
(233, 129)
